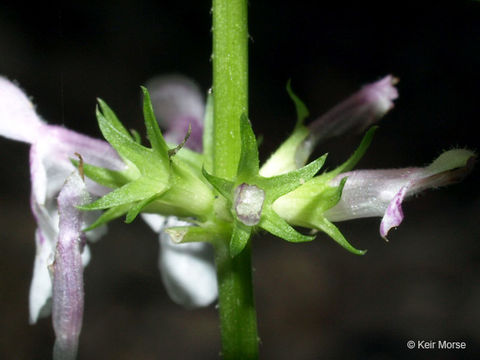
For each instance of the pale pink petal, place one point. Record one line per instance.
(369, 193)
(67, 304)
(41, 285)
(178, 103)
(18, 119)
(358, 111)
(50, 160)
(354, 114)
(394, 214)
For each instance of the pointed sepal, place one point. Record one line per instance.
(357, 155)
(153, 130)
(331, 230)
(137, 190)
(275, 225)
(248, 164)
(300, 107)
(240, 236)
(224, 187)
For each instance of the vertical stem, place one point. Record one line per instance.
(230, 92)
(230, 82)
(238, 320)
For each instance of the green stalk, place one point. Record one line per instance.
(230, 82)
(238, 321)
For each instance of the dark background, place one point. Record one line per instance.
(314, 300)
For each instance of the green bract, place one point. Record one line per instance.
(174, 181)
(156, 178)
(289, 155)
(306, 205)
(272, 187)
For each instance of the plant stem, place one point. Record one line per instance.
(238, 322)
(237, 309)
(230, 82)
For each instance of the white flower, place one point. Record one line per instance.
(51, 149)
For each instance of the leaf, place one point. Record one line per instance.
(108, 113)
(106, 177)
(136, 190)
(248, 164)
(357, 155)
(330, 196)
(275, 225)
(153, 130)
(145, 159)
(224, 187)
(302, 111)
(240, 236)
(135, 209)
(332, 231)
(108, 216)
(186, 234)
(279, 185)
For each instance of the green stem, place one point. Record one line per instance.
(237, 309)
(238, 322)
(230, 82)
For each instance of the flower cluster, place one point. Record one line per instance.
(57, 191)
(172, 185)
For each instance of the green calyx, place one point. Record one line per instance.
(169, 180)
(156, 179)
(249, 188)
(306, 205)
(286, 157)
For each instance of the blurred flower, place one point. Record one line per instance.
(178, 104)
(354, 114)
(357, 112)
(188, 270)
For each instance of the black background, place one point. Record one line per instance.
(314, 300)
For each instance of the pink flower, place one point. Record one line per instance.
(370, 193)
(61, 251)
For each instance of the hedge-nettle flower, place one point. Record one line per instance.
(334, 196)
(371, 193)
(51, 153)
(364, 193)
(357, 112)
(171, 185)
(354, 114)
(67, 268)
(51, 149)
